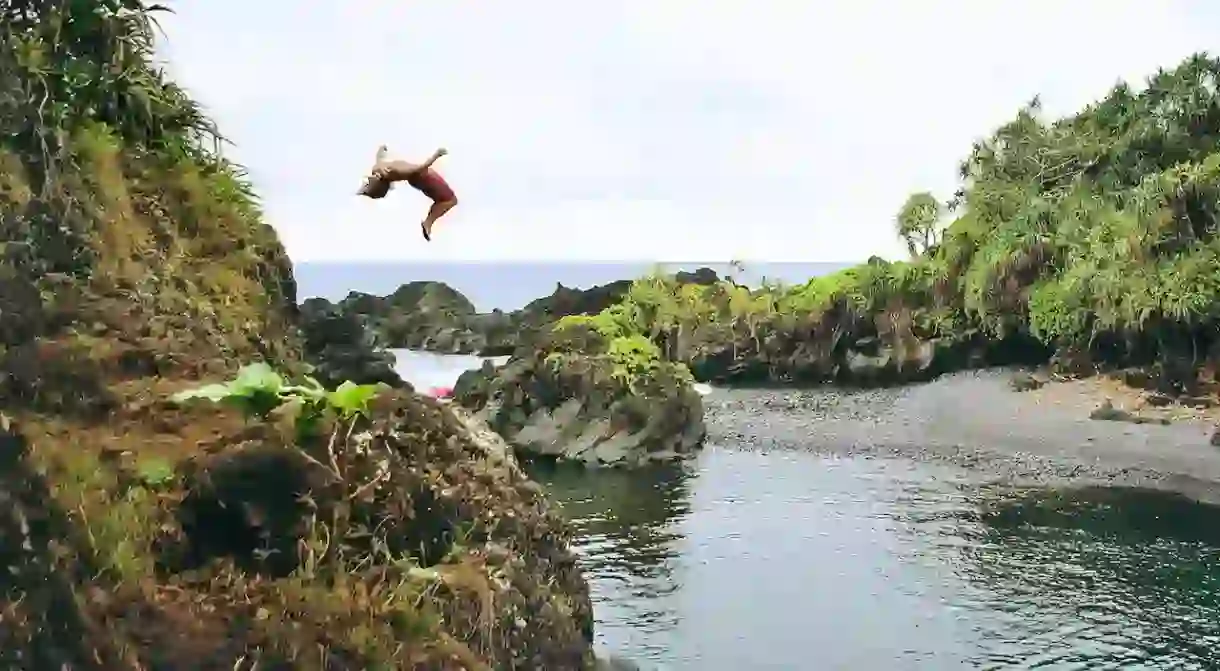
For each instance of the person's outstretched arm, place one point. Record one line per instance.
(433, 158)
(397, 171)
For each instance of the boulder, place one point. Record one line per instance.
(341, 347)
(577, 407)
(1109, 413)
(873, 362)
(613, 662)
(1026, 381)
(419, 315)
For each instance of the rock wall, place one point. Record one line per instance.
(578, 408)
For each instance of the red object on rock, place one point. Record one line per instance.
(441, 392)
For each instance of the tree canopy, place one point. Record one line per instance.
(1100, 223)
(917, 221)
(1093, 233)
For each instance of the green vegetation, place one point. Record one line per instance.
(917, 222)
(609, 341)
(259, 392)
(664, 322)
(1095, 235)
(116, 200)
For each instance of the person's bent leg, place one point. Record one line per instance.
(438, 210)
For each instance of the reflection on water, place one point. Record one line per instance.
(629, 543)
(1097, 577)
(784, 560)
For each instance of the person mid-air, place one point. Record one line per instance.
(419, 175)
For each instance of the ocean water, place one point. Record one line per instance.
(510, 285)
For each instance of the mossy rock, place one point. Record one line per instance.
(247, 547)
(570, 402)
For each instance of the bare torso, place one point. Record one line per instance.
(398, 171)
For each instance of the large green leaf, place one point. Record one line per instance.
(257, 377)
(352, 399)
(310, 388)
(210, 392)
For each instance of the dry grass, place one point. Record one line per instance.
(165, 242)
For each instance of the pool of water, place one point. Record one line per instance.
(782, 559)
(425, 370)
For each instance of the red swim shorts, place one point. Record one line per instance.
(433, 186)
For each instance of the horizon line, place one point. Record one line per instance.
(745, 262)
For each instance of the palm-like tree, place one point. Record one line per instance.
(91, 59)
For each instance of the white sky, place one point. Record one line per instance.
(780, 130)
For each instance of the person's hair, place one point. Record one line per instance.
(374, 188)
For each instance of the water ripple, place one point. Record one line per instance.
(774, 559)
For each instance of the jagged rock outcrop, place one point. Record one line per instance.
(435, 317)
(700, 276)
(582, 407)
(418, 315)
(531, 321)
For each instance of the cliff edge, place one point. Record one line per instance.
(142, 533)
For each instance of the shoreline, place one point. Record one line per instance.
(976, 422)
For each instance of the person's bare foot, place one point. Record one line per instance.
(426, 230)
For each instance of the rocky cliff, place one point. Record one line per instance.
(417, 315)
(140, 533)
(580, 392)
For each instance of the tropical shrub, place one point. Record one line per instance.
(1097, 232)
(259, 392)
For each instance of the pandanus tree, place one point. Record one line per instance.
(917, 222)
(1099, 226)
(76, 75)
(67, 60)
